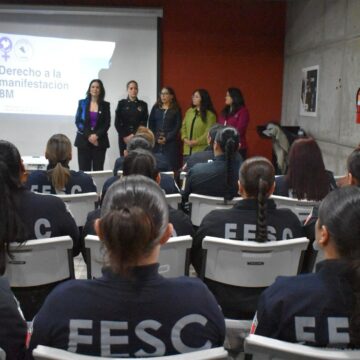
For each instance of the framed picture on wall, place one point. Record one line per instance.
(309, 91)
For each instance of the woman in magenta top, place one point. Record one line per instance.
(236, 114)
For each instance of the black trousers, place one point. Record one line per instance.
(91, 158)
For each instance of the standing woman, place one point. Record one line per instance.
(92, 122)
(165, 123)
(129, 115)
(197, 122)
(236, 114)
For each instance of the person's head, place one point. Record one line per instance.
(202, 101)
(353, 167)
(11, 225)
(257, 181)
(147, 134)
(226, 143)
(306, 174)
(212, 134)
(58, 153)
(132, 89)
(137, 142)
(140, 162)
(338, 234)
(167, 97)
(96, 90)
(134, 223)
(234, 100)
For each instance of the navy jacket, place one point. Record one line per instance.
(152, 315)
(240, 223)
(129, 115)
(84, 130)
(199, 157)
(210, 178)
(13, 327)
(167, 123)
(79, 182)
(310, 308)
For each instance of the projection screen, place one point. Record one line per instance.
(49, 55)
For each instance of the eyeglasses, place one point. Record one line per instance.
(164, 93)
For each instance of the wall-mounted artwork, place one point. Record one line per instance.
(309, 91)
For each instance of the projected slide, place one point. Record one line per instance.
(47, 76)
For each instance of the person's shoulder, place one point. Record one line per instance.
(190, 286)
(70, 288)
(37, 174)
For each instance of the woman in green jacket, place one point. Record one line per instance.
(197, 122)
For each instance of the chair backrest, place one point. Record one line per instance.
(99, 178)
(173, 200)
(262, 347)
(249, 263)
(2, 354)
(40, 261)
(174, 256)
(302, 208)
(32, 163)
(201, 205)
(44, 352)
(80, 205)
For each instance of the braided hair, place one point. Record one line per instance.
(257, 176)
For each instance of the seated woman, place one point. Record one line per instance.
(26, 215)
(321, 308)
(13, 327)
(219, 177)
(154, 315)
(256, 218)
(306, 177)
(59, 179)
(142, 162)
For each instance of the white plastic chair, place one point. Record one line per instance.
(265, 348)
(174, 256)
(44, 352)
(2, 354)
(250, 263)
(201, 205)
(99, 178)
(173, 200)
(302, 208)
(40, 262)
(32, 163)
(80, 205)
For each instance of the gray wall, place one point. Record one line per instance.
(324, 33)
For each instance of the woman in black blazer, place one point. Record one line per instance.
(92, 122)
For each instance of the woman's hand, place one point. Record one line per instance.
(128, 138)
(190, 143)
(93, 139)
(161, 140)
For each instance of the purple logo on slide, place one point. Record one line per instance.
(5, 47)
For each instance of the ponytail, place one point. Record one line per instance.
(230, 150)
(59, 176)
(58, 152)
(228, 139)
(261, 228)
(135, 228)
(134, 216)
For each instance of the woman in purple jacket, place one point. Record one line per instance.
(236, 114)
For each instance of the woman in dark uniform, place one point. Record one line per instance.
(129, 115)
(92, 122)
(165, 123)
